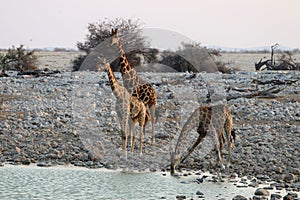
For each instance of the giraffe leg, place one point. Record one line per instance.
(125, 132)
(220, 165)
(152, 113)
(124, 143)
(131, 138)
(134, 140)
(123, 136)
(228, 131)
(124, 140)
(142, 132)
(229, 145)
(218, 150)
(131, 134)
(230, 141)
(199, 140)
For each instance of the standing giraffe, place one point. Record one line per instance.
(140, 115)
(133, 83)
(128, 106)
(211, 121)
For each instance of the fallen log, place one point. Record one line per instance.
(268, 93)
(38, 73)
(274, 82)
(242, 89)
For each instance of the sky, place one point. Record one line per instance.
(224, 23)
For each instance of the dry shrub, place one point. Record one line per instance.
(18, 59)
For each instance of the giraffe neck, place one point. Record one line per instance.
(114, 85)
(124, 62)
(130, 77)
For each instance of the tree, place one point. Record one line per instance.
(100, 31)
(18, 59)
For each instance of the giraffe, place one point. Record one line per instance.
(122, 104)
(130, 110)
(133, 83)
(139, 114)
(211, 120)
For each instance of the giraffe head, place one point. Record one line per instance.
(115, 40)
(175, 159)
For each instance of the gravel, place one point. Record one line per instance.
(70, 118)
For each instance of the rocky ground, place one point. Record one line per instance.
(70, 118)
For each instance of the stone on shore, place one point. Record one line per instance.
(239, 197)
(275, 197)
(290, 196)
(262, 192)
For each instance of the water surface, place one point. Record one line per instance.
(20, 182)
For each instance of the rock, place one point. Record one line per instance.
(18, 150)
(262, 192)
(290, 196)
(277, 177)
(268, 188)
(276, 169)
(234, 175)
(278, 186)
(89, 163)
(17, 158)
(259, 198)
(289, 178)
(262, 177)
(253, 184)
(26, 161)
(54, 144)
(239, 197)
(180, 197)
(79, 164)
(275, 197)
(297, 186)
(241, 186)
(199, 193)
(44, 164)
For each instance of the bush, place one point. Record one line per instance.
(177, 62)
(222, 67)
(191, 57)
(77, 62)
(18, 59)
(101, 31)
